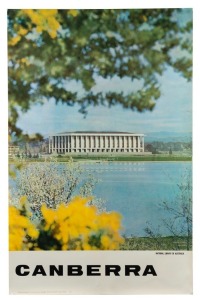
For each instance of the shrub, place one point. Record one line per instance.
(21, 229)
(52, 183)
(75, 226)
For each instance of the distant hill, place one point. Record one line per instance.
(166, 136)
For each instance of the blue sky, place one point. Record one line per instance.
(173, 110)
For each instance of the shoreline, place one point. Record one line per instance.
(101, 161)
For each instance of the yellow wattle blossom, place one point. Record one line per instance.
(44, 19)
(23, 199)
(19, 227)
(25, 61)
(48, 12)
(73, 12)
(49, 216)
(79, 226)
(41, 19)
(76, 226)
(14, 40)
(22, 31)
(105, 241)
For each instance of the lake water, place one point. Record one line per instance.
(136, 190)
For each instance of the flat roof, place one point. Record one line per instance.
(96, 132)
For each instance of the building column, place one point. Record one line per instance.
(81, 143)
(101, 143)
(109, 141)
(77, 143)
(125, 143)
(72, 143)
(138, 143)
(61, 146)
(76, 139)
(92, 141)
(66, 144)
(87, 142)
(130, 143)
(56, 143)
(106, 143)
(96, 143)
(116, 142)
(134, 143)
(120, 143)
(51, 148)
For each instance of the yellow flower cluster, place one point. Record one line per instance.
(80, 227)
(73, 12)
(76, 226)
(24, 61)
(44, 19)
(19, 227)
(14, 40)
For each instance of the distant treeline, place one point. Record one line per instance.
(168, 146)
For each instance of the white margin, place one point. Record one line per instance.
(4, 5)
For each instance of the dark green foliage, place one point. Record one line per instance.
(136, 44)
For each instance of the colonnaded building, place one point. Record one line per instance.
(96, 142)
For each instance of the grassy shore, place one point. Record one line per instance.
(168, 243)
(127, 158)
(131, 158)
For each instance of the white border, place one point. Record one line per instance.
(90, 4)
(4, 5)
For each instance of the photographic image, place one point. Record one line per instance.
(100, 130)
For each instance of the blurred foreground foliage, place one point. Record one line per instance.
(50, 49)
(75, 226)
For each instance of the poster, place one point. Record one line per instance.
(100, 151)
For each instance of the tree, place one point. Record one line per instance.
(149, 148)
(179, 222)
(48, 49)
(52, 183)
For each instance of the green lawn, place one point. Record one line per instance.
(169, 243)
(105, 158)
(128, 158)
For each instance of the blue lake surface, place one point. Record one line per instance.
(136, 190)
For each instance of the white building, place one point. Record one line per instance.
(96, 142)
